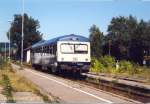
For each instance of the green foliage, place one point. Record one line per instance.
(126, 66)
(107, 61)
(7, 86)
(96, 66)
(96, 39)
(120, 33)
(129, 38)
(107, 64)
(103, 64)
(118, 29)
(31, 33)
(7, 91)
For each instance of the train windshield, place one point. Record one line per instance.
(67, 48)
(81, 48)
(74, 48)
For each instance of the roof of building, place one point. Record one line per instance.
(71, 37)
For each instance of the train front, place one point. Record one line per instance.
(74, 55)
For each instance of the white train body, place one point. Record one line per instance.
(71, 52)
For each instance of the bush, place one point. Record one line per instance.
(107, 64)
(107, 61)
(126, 66)
(96, 66)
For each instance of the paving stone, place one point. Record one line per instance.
(26, 97)
(2, 97)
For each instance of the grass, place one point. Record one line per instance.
(18, 83)
(7, 91)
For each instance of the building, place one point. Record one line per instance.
(27, 52)
(4, 49)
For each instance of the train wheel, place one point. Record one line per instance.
(78, 73)
(44, 67)
(54, 70)
(33, 66)
(60, 71)
(37, 67)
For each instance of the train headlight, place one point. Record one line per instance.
(86, 59)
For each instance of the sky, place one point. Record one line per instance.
(63, 17)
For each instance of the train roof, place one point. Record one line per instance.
(71, 37)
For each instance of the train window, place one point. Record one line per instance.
(67, 48)
(43, 49)
(74, 48)
(54, 49)
(50, 49)
(36, 50)
(32, 50)
(81, 48)
(46, 49)
(40, 49)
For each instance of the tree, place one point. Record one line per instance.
(96, 39)
(120, 31)
(31, 33)
(118, 36)
(130, 38)
(138, 42)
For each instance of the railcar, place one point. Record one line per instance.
(69, 52)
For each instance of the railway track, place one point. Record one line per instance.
(117, 91)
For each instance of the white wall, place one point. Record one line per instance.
(28, 56)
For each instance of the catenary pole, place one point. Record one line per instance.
(22, 32)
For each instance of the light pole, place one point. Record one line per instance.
(5, 51)
(9, 39)
(22, 32)
(109, 47)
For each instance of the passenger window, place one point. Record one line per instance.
(47, 49)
